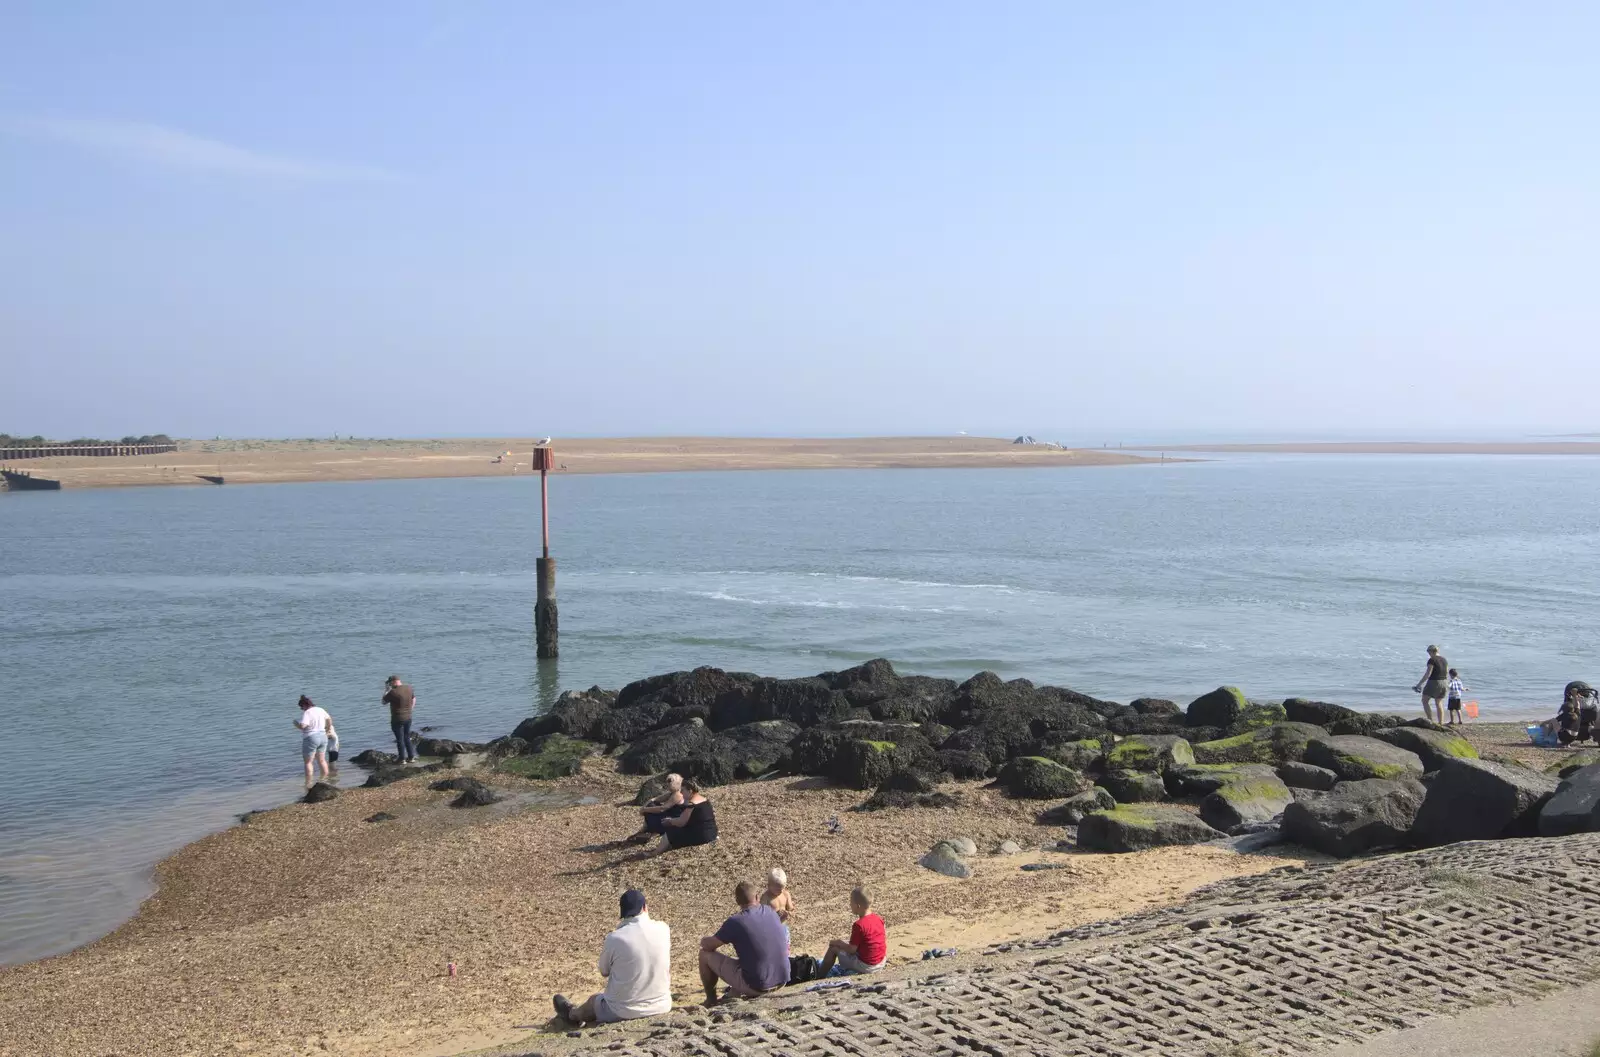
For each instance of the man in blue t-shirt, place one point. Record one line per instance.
(760, 948)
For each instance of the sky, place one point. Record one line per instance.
(414, 219)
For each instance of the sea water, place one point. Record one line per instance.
(154, 641)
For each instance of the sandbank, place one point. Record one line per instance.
(308, 930)
(267, 461)
(1393, 447)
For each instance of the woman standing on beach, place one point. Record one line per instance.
(314, 724)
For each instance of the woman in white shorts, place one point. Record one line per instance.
(314, 724)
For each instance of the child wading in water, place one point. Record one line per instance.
(1456, 691)
(777, 896)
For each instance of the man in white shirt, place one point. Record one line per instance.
(635, 961)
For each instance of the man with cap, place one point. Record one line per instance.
(635, 961)
(401, 699)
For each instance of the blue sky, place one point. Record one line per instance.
(413, 219)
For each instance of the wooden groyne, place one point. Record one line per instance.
(22, 481)
(53, 451)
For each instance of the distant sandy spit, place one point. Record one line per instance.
(1398, 447)
(265, 461)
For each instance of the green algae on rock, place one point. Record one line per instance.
(1041, 778)
(1149, 752)
(1279, 743)
(1133, 828)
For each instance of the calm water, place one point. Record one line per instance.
(154, 641)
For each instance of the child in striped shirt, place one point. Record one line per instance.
(1454, 699)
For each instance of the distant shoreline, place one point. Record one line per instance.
(282, 461)
(1390, 447)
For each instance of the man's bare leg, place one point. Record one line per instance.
(708, 979)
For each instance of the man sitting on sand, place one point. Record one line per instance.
(635, 962)
(868, 946)
(762, 950)
(660, 808)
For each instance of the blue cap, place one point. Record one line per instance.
(632, 903)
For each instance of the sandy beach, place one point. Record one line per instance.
(268, 461)
(307, 930)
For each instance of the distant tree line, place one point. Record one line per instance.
(36, 441)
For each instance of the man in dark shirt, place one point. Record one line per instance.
(761, 946)
(401, 699)
(1434, 684)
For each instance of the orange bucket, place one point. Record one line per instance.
(1471, 709)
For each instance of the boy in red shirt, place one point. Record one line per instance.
(868, 948)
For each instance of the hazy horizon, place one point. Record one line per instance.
(893, 219)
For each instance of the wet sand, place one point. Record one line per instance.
(307, 930)
(266, 461)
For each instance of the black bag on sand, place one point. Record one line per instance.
(803, 967)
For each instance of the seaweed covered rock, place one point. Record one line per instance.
(622, 725)
(447, 747)
(1575, 807)
(1134, 828)
(1256, 715)
(1364, 723)
(1355, 758)
(756, 748)
(1433, 747)
(1278, 743)
(1079, 755)
(885, 799)
(1356, 817)
(547, 758)
(1201, 779)
(1571, 765)
(1131, 722)
(387, 775)
(651, 788)
(1317, 713)
(703, 687)
(965, 766)
(374, 758)
(1297, 774)
(805, 702)
(574, 714)
(475, 794)
(1071, 812)
(889, 696)
(1005, 719)
(1156, 753)
(510, 745)
(1156, 706)
(1134, 787)
(319, 793)
(1472, 799)
(1254, 794)
(660, 749)
(1220, 708)
(1040, 778)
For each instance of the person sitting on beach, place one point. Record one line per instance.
(695, 824)
(868, 947)
(760, 960)
(1576, 720)
(636, 962)
(1433, 686)
(313, 724)
(402, 700)
(777, 897)
(660, 808)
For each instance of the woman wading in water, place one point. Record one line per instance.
(314, 725)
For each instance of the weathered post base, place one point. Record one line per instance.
(546, 622)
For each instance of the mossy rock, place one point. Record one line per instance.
(1573, 764)
(1134, 787)
(1079, 755)
(1276, 744)
(1157, 753)
(1257, 715)
(1355, 758)
(1434, 747)
(1139, 826)
(1256, 794)
(1041, 778)
(1203, 779)
(1072, 812)
(552, 756)
(1220, 708)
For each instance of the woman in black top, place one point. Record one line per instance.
(695, 824)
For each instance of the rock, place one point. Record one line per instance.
(650, 788)
(963, 845)
(1072, 811)
(1079, 755)
(1575, 807)
(1201, 779)
(1143, 826)
(756, 748)
(508, 746)
(805, 702)
(944, 859)
(896, 798)
(1573, 764)
(1470, 799)
(454, 785)
(1425, 724)
(1155, 706)
(1220, 708)
(965, 766)
(547, 758)
(372, 759)
(387, 775)
(1433, 747)
(1355, 758)
(574, 714)
(1278, 743)
(319, 793)
(1133, 787)
(382, 816)
(1298, 775)
(1318, 713)
(476, 795)
(1365, 723)
(1157, 753)
(1356, 816)
(1038, 778)
(1257, 796)
(622, 725)
(658, 750)
(723, 696)
(1250, 842)
(1007, 719)
(447, 747)
(1008, 847)
(1258, 714)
